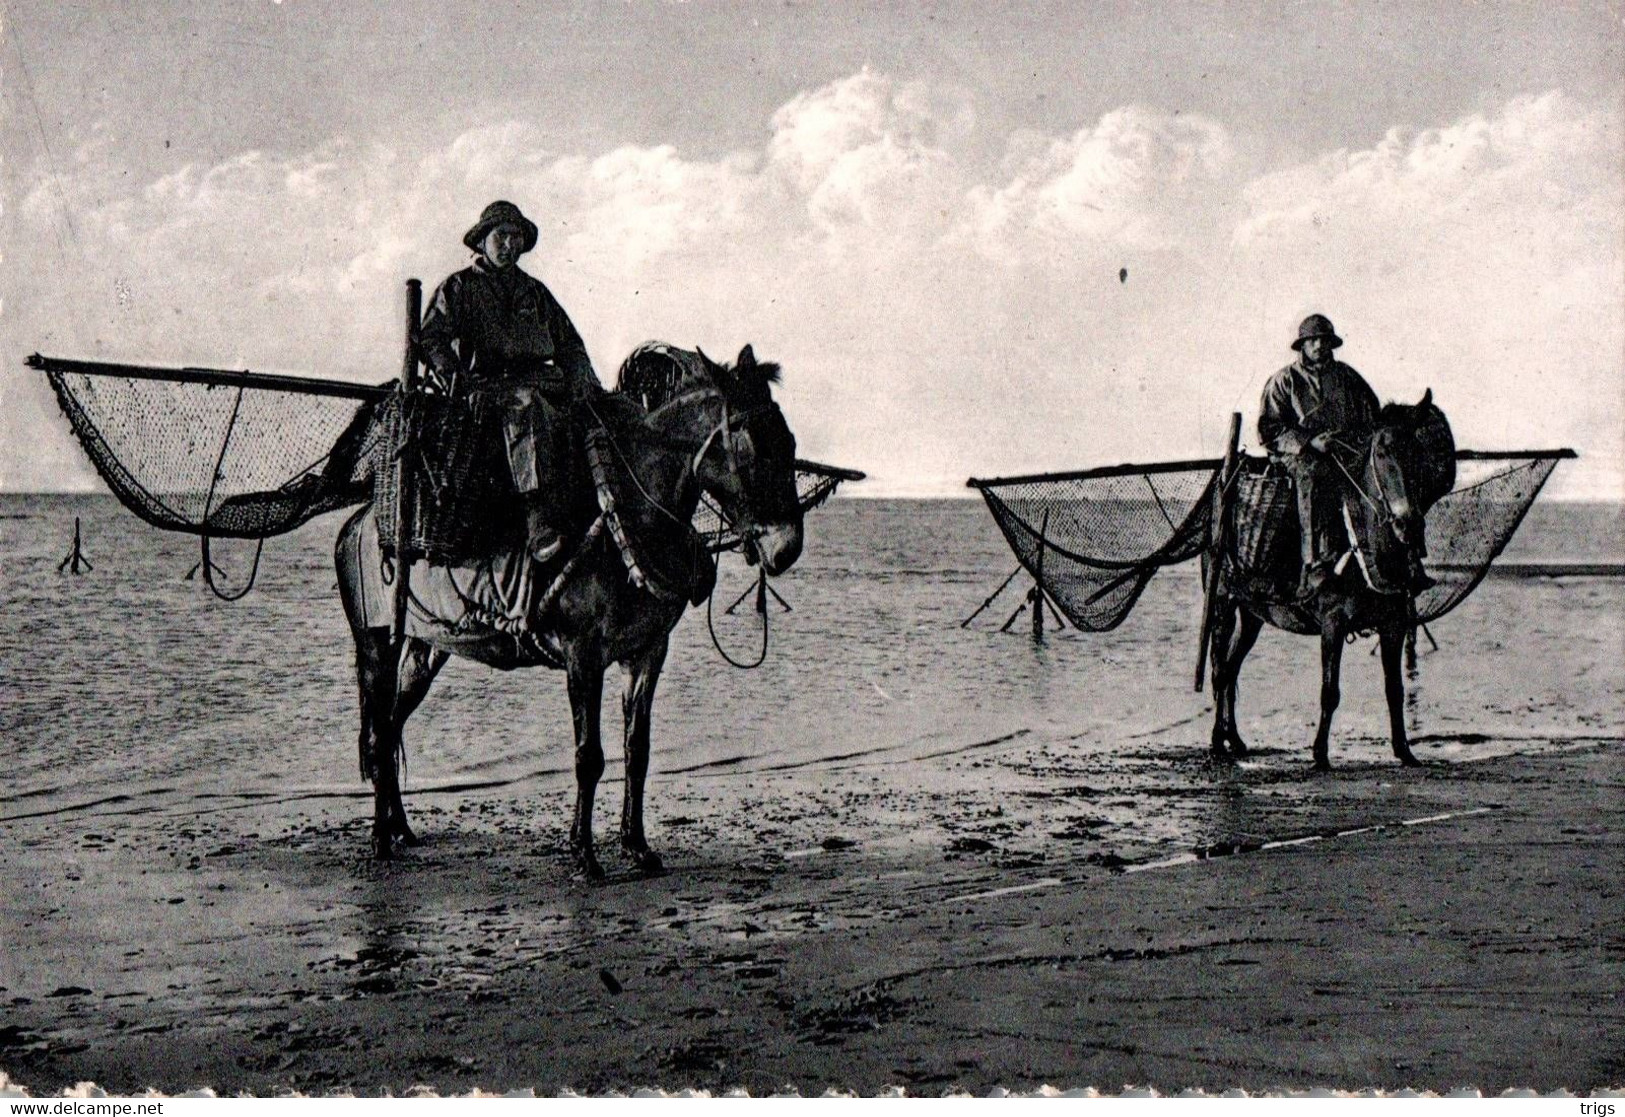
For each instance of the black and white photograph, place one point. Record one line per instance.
(890, 548)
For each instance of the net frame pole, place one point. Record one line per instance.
(991, 596)
(1038, 579)
(1210, 591)
(212, 377)
(400, 592)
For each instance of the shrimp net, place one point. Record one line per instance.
(249, 456)
(208, 458)
(1094, 539)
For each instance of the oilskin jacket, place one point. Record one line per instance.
(501, 336)
(1299, 404)
(495, 328)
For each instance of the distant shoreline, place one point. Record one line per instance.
(856, 493)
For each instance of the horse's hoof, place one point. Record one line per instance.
(1409, 760)
(1322, 764)
(588, 868)
(647, 861)
(404, 835)
(1238, 747)
(383, 849)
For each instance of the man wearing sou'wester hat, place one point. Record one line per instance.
(494, 329)
(1313, 408)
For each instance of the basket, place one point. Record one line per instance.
(1263, 503)
(452, 477)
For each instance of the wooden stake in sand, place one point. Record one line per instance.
(76, 560)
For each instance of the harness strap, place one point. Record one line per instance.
(598, 461)
(1359, 553)
(562, 578)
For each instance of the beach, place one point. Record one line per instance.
(904, 854)
(1468, 936)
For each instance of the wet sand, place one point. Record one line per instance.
(1457, 926)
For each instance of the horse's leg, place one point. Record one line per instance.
(1247, 628)
(371, 647)
(376, 675)
(419, 664)
(1224, 710)
(370, 643)
(586, 683)
(1392, 642)
(1331, 663)
(637, 704)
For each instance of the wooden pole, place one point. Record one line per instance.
(758, 589)
(990, 598)
(1216, 537)
(1025, 601)
(76, 560)
(1038, 582)
(212, 377)
(401, 590)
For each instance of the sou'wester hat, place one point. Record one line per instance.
(1316, 325)
(500, 213)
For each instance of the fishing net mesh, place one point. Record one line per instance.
(815, 483)
(1473, 523)
(233, 462)
(1093, 541)
(207, 459)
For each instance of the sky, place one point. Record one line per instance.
(923, 211)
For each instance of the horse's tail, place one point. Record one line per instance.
(347, 559)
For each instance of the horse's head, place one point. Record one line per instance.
(747, 461)
(1412, 463)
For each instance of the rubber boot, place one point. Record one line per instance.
(542, 538)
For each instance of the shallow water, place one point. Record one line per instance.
(133, 689)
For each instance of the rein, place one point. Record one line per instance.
(1381, 507)
(723, 429)
(761, 611)
(1380, 504)
(1354, 484)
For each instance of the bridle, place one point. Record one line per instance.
(728, 430)
(1380, 505)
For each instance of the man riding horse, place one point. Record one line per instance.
(495, 331)
(1316, 417)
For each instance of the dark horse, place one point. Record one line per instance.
(1408, 465)
(721, 433)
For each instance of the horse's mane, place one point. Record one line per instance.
(1409, 415)
(1425, 422)
(655, 373)
(747, 381)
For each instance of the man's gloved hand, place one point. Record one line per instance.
(1321, 442)
(436, 381)
(550, 379)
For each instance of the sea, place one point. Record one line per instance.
(131, 687)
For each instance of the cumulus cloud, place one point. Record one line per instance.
(1484, 254)
(1137, 179)
(937, 317)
